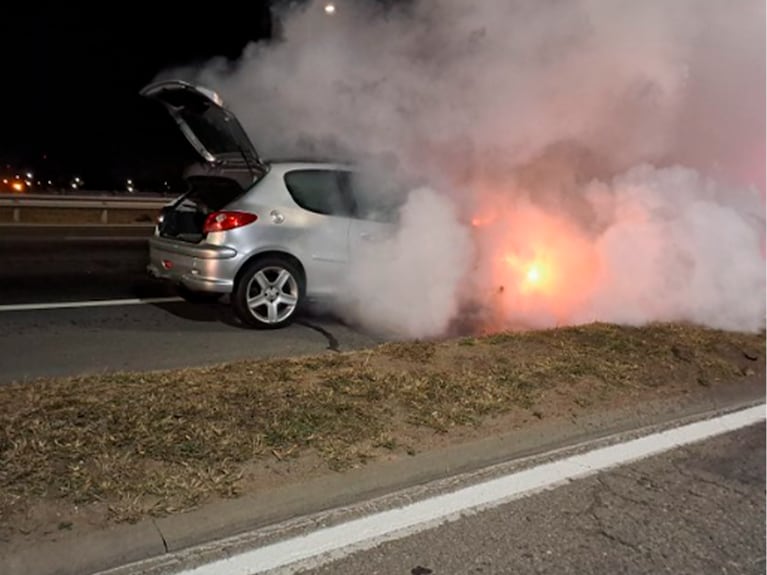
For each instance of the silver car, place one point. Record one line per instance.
(272, 234)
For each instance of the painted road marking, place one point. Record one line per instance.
(91, 303)
(332, 543)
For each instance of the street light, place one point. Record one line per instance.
(330, 8)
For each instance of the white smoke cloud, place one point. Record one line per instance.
(568, 114)
(409, 284)
(688, 255)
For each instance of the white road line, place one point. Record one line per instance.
(324, 545)
(91, 303)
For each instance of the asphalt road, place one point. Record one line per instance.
(47, 265)
(51, 265)
(696, 510)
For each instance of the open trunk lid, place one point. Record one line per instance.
(213, 130)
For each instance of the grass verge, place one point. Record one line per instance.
(156, 443)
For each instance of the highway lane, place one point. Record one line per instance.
(682, 496)
(697, 509)
(47, 265)
(41, 264)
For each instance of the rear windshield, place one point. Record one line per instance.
(215, 130)
(215, 127)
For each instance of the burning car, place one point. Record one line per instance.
(270, 234)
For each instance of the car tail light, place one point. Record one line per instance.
(222, 221)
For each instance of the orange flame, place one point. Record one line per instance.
(543, 267)
(533, 275)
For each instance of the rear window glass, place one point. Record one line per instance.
(216, 128)
(319, 191)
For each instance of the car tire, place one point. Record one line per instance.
(193, 296)
(269, 293)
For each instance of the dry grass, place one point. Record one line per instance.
(156, 443)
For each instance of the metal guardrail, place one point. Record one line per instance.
(105, 204)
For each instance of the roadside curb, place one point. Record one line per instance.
(116, 548)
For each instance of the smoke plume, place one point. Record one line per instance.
(589, 159)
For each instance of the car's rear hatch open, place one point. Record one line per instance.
(212, 130)
(184, 219)
(230, 161)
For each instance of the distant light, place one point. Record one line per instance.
(28, 182)
(18, 186)
(130, 182)
(5, 180)
(29, 175)
(74, 186)
(330, 8)
(50, 183)
(77, 179)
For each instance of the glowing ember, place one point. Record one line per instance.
(533, 274)
(529, 276)
(547, 267)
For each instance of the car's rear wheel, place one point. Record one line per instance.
(269, 293)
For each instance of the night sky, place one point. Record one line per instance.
(72, 76)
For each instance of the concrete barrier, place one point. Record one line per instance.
(81, 208)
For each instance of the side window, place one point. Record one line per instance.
(373, 199)
(318, 191)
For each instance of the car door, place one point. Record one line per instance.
(323, 245)
(375, 212)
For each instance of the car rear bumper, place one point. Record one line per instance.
(198, 267)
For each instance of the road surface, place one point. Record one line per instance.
(42, 268)
(695, 510)
(683, 497)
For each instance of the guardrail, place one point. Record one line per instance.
(21, 202)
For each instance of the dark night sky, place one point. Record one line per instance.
(73, 73)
